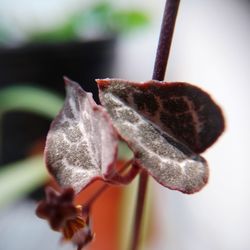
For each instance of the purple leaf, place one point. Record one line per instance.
(164, 123)
(81, 144)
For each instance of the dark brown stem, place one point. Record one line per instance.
(141, 196)
(162, 55)
(87, 205)
(165, 39)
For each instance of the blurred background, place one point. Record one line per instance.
(42, 40)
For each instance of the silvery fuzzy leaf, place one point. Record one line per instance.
(179, 109)
(164, 148)
(82, 143)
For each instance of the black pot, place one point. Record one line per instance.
(44, 65)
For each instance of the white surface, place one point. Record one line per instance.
(21, 229)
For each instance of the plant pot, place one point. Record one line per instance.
(44, 65)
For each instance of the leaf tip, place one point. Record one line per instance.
(68, 81)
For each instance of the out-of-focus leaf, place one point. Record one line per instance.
(95, 21)
(21, 177)
(100, 19)
(63, 33)
(100, 13)
(126, 21)
(4, 36)
(81, 144)
(30, 99)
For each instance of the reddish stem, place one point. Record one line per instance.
(141, 196)
(125, 179)
(86, 206)
(162, 55)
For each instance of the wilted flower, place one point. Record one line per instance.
(63, 216)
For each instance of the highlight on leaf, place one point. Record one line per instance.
(165, 148)
(81, 144)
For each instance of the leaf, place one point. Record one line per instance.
(163, 146)
(29, 99)
(129, 20)
(19, 178)
(180, 109)
(81, 144)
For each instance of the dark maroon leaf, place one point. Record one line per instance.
(165, 147)
(180, 109)
(82, 143)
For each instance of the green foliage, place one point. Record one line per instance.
(101, 19)
(29, 99)
(19, 178)
(64, 32)
(126, 21)
(4, 36)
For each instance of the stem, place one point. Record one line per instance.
(141, 197)
(165, 39)
(162, 55)
(119, 179)
(86, 206)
